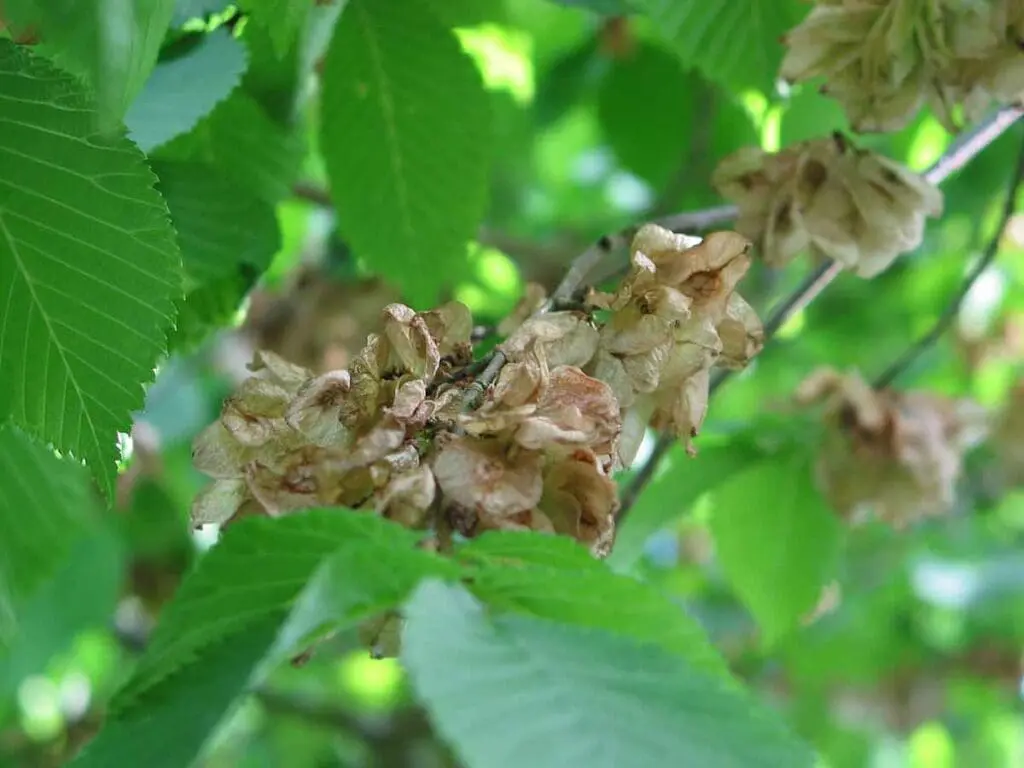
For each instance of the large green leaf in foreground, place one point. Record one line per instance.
(512, 691)
(89, 268)
(405, 139)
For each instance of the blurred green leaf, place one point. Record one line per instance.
(185, 10)
(112, 44)
(257, 596)
(88, 264)
(604, 7)
(60, 566)
(220, 224)
(673, 491)
(776, 539)
(183, 89)
(284, 19)
(514, 690)
(568, 81)
(398, 86)
(257, 569)
(45, 504)
(735, 43)
(172, 722)
(359, 581)
(251, 149)
(210, 307)
(646, 107)
(81, 593)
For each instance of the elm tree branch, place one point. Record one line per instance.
(962, 151)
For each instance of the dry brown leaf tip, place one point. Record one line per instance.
(896, 455)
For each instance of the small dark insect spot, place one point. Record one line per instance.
(840, 141)
(605, 243)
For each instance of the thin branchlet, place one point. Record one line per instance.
(962, 151)
(952, 308)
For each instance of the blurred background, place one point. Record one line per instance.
(916, 657)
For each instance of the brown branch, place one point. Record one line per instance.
(956, 157)
(952, 308)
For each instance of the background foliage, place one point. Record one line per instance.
(183, 179)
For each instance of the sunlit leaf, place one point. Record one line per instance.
(513, 690)
(183, 89)
(776, 539)
(112, 44)
(398, 86)
(88, 266)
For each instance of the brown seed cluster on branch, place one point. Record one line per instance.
(390, 433)
(894, 455)
(831, 198)
(884, 59)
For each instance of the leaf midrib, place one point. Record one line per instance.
(391, 129)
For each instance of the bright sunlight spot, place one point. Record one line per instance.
(928, 145)
(503, 57)
(39, 701)
(793, 326)
(374, 682)
(930, 746)
(496, 271)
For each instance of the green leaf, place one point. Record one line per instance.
(514, 691)
(405, 137)
(600, 599)
(776, 539)
(112, 44)
(210, 307)
(568, 81)
(184, 89)
(220, 224)
(174, 720)
(557, 578)
(45, 503)
(81, 593)
(88, 266)
(251, 149)
(359, 581)
(735, 43)
(672, 492)
(60, 570)
(649, 133)
(527, 548)
(603, 7)
(259, 594)
(283, 19)
(185, 10)
(258, 568)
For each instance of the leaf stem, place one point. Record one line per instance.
(949, 314)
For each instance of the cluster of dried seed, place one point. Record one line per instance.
(893, 455)
(830, 197)
(392, 432)
(884, 59)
